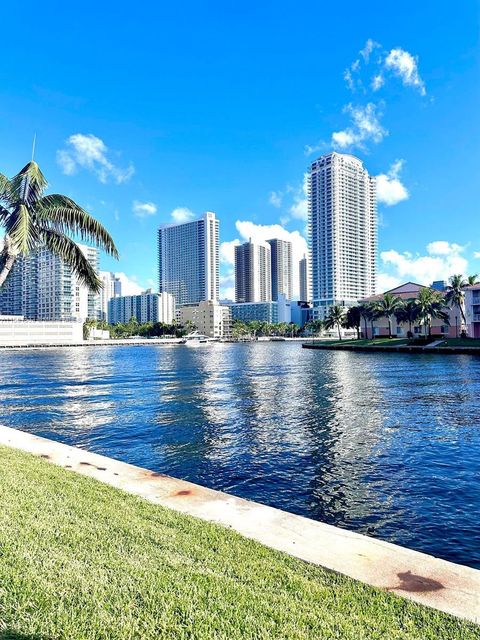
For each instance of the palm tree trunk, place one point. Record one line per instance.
(389, 327)
(366, 329)
(9, 260)
(339, 334)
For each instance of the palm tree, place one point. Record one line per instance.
(473, 279)
(353, 319)
(407, 312)
(365, 315)
(431, 304)
(386, 307)
(32, 220)
(335, 318)
(455, 296)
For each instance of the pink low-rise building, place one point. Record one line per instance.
(472, 310)
(410, 291)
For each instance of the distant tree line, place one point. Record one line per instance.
(144, 330)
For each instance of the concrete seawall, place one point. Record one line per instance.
(436, 583)
(474, 351)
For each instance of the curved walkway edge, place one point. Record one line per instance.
(436, 583)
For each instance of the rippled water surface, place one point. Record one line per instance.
(383, 444)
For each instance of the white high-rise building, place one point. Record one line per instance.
(43, 287)
(144, 307)
(281, 268)
(188, 260)
(343, 231)
(111, 288)
(304, 275)
(253, 279)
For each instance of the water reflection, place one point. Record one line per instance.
(384, 444)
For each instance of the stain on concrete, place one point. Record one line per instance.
(185, 492)
(417, 584)
(44, 455)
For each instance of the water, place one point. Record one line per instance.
(383, 444)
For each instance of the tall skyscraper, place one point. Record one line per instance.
(281, 268)
(42, 287)
(188, 260)
(111, 288)
(304, 276)
(253, 279)
(343, 231)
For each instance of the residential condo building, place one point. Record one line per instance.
(43, 287)
(208, 317)
(304, 275)
(144, 307)
(188, 260)
(281, 268)
(270, 311)
(111, 288)
(342, 230)
(253, 280)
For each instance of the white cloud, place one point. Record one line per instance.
(91, 153)
(385, 282)
(365, 127)
(476, 254)
(261, 233)
(377, 82)
(390, 189)
(368, 49)
(442, 260)
(144, 209)
(275, 198)
(227, 251)
(299, 208)
(129, 285)
(182, 214)
(405, 65)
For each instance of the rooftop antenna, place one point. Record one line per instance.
(33, 145)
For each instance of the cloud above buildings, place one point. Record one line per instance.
(130, 286)
(182, 214)
(441, 260)
(144, 209)
(86, 151)
(371, 72)
(365, 126)
(390, 190)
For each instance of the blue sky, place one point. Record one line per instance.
(144, 110)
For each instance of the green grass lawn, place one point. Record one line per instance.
(461, 342)
(81, 560)
(393, 342)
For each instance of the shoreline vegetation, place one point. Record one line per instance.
(83, 560)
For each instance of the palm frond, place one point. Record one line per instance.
(28, 185)
(22, 233)
(71, 254)
(4, 186)
(66, 216)
(4, 215)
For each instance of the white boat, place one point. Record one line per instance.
(197, 340)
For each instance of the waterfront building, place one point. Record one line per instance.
(305, 293)
(269, 311)
(111, 288)
(144, 307)
(208, 317)
(281, 268)
(15, 330)
(188, 260)
(43, 287)
(300, 312)
(472, 310)
(253, 273)
(342, 230)
(409, 291)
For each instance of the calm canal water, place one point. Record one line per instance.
(387, 445)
